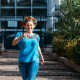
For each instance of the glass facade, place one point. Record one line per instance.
(16, 10)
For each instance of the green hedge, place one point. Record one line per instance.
(67, 48)
(77, 54)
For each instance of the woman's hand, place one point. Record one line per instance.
(42, 60)
(26, 35)
(41, 56)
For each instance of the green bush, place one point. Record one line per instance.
(67, 48)
(76, 55)
(70, 48)
(68, 32)
(58, 45)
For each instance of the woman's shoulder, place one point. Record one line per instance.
(19, 32)
(36, 34)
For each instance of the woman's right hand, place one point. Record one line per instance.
(25, 35)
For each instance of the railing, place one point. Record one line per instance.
(20, 18)
(11, 18)
(24, 7)
(17, 30)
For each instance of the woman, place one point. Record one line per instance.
(30, 51)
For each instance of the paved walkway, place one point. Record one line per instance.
(51, 70)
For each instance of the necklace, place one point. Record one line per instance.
(30, 35)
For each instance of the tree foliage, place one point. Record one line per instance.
(69, 23)
(67, 35)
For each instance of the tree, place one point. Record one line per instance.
(69, 24)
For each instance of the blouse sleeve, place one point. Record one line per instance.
(38, 38)
(18, 34)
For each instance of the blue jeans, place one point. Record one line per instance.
(28, 70)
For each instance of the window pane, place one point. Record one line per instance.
(23, 2)
(23, 12)
(8, 12)
(7, 2)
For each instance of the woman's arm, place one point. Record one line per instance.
(41, 56)
(16, 40)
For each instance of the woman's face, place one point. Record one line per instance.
(29, 26)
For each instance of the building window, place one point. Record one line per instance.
(7, 2)
(39, 12)
(23, 12)
(7, 12)
(39, 2)
(4, 24)
(23, 2)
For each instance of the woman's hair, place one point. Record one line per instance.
(29, 18)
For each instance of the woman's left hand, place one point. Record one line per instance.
(42, 60)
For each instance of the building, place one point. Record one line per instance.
(12, 12)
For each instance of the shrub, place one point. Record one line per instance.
(58, 45)
(68, 31)
(76, 55)
(70, 48)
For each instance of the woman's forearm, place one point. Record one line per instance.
(16, 40)
(41, 56)
(40, 52)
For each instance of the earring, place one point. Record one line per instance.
(31, 28)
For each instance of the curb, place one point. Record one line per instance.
(67, 62)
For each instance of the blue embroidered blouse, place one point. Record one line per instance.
(28, 48)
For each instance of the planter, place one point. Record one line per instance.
(67, 62)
